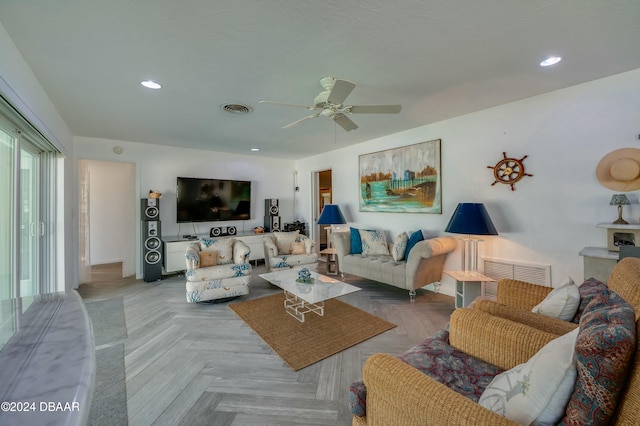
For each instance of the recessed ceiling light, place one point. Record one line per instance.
(150, 84)
(551, 60)
(255, 149)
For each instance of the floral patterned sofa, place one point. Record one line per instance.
(217, 269)
(489, 370)
(289, 249)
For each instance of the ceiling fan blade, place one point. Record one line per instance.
(375, 109)
(309, 108)
(341, 89)
(344, 122)
(301, 120)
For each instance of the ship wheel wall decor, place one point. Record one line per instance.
(509, 171)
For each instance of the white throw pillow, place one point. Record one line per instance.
(309, 244)
(399, 247)
(284, 240)
(373, 242)
(561, 303)
(536, 392)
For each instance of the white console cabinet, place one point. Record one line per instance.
(175, 249)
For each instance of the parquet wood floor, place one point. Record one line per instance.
(199, 364)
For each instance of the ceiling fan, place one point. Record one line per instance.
(330, 103)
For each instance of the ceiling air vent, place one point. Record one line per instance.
(236, 108)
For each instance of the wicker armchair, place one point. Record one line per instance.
(514, 301)
(400, 394)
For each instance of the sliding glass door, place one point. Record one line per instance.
(7, 208)
(27, 203)
(31, 228)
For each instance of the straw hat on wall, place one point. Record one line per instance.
(620, 170)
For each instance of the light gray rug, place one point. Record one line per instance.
(109, 406)
(108, 320)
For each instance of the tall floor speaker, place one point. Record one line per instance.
(151, 239)
(271, 215)
(150, 209)
(271, 207)
(272, 223)
(151, 251)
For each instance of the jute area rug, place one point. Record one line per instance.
(302, 344)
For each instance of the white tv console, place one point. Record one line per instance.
(175, 249)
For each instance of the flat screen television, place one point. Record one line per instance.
(210, 200)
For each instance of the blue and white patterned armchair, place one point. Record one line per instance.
(289, 249)
(217, 269)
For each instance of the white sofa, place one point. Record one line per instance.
(228, 278)
(423, 265)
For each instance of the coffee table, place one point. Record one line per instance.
(302, 298)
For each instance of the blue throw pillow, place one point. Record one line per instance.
(356, 241)
(415, 238)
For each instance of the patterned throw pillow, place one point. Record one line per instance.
(589, 289)
(223, 248)
(538, 390)
(604, 350)
(208, 258)
(461, 372)
(373, 243)
(561, 303)
(399, 247)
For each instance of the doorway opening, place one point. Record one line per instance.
(107, 218)
(323, 196)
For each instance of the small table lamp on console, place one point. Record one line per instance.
(471, 219)
(620, 200)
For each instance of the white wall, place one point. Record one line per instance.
(551, 216)
(157, 168)
(110, 203)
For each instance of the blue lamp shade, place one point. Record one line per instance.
(472, 219)
(331, 215)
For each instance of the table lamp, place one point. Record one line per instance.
(471, 219)
(620, 200)
(331, 215)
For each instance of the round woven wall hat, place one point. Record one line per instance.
(620, 170)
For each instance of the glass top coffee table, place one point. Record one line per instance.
(302, 298)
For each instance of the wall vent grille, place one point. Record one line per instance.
(499, 269)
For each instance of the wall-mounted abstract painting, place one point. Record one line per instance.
(402, 180)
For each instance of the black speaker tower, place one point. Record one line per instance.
(151, 239)
(272, 215)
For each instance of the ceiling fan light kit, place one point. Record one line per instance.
(330, 103)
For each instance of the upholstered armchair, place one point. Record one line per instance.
(217, 269)
(289, 249)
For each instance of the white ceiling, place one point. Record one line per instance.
(438, 58)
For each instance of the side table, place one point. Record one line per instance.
(468, 286)
(331, 259)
